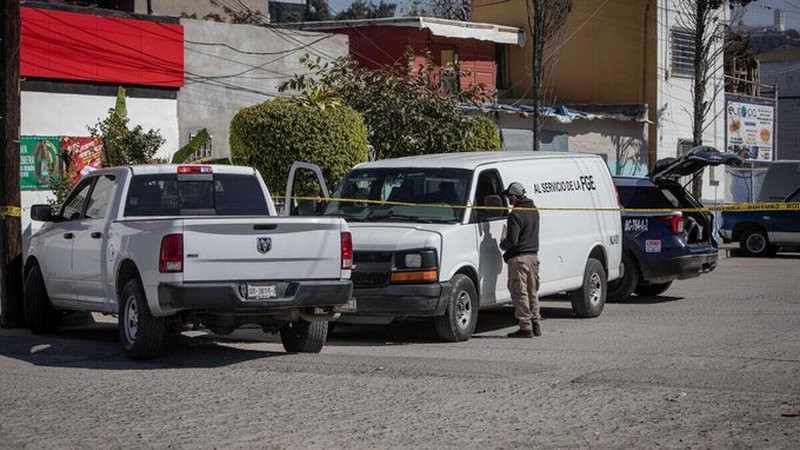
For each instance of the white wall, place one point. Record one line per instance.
(674, 104)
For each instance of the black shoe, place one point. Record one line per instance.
(521, 334)
(537, 328)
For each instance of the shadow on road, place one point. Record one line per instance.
(97, 347)
(649, 300)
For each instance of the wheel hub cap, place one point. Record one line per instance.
(756, 243)
(595, 288)
(463, 309)
(131, 320)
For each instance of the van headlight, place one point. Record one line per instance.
(412, 260)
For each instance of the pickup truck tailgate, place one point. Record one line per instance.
(247, 248)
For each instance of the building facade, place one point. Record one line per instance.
(781, 68)
(625, 52)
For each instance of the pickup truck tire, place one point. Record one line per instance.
(652, 289)
(621, 289)
(461, 314)
(140, 333)
(300, 336)
(754, 242)
(39, 313)
(588, 301)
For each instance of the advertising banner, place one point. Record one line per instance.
(84, 154)
(38, 157)
(750, 127)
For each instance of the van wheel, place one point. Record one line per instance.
(461, 315)
(754, 242)
(300, 336)
(588, 301)
(620, 290)
(40, 315)
(140, 333)
(652, 289)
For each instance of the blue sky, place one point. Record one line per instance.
(757, 13)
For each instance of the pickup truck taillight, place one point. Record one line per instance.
(675, 222)
(347, 251)
(171, 258)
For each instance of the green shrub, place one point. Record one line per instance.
(272, 135)
(482, 134)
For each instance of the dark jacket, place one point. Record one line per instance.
(522, 231)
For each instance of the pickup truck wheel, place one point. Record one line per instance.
(620, 290)
(588, 301)
(40, 315)
(300, 336)
(140, 333)
(461, 315)
(652, 289)
(754, 242)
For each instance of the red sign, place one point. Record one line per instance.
(71, 46)
(84, 154)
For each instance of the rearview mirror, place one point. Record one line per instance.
(496, 203)
(42, 213)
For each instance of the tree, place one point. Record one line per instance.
(406, 109)
(363, 9)
(240, 14)
(451, 9)
(546, 21)
(317, 10)
(701, 18)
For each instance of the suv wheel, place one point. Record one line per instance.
(754, 242)
(140, 333)
(620, 290)
(300, 336)
(40, 315)
(588, 301)
(461, 315)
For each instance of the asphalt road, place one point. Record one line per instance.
(713, 363)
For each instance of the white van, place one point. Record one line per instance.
(427, 253)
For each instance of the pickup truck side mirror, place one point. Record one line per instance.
(492, 201)
(42, 213)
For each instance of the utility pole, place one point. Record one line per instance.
(10, 224)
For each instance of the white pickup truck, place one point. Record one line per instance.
(164, 246)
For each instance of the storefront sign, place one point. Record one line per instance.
(84, 154)
(750, 127)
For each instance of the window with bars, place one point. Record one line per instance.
(682, 52)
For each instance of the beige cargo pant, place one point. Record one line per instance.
(523, 282)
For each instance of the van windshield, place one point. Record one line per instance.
(437, 195)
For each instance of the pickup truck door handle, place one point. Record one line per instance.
(68, 235)
(97, 235)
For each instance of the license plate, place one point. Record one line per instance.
(261, 291)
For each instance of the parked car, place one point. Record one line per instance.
(661, 247)
(781, 179)
(432, 257)
(163, 246)
(762, 233)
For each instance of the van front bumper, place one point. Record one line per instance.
(397, 300)
(227, 297)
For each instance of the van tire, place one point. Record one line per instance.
(141, 334)
(621, 289)
(40, 315)
(754, 242)
(461, 314)
(300, 336)
(588, 301)
(652, 289)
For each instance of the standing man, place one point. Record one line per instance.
(521, 246)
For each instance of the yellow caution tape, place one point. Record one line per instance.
(10, 211)
(789, 206)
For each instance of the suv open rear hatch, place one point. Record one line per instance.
(693, 162)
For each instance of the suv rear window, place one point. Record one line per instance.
(646, 197)
(221, 195)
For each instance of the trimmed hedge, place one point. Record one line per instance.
(272, 135)
(482, 134)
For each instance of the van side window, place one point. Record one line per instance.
(489, 183)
